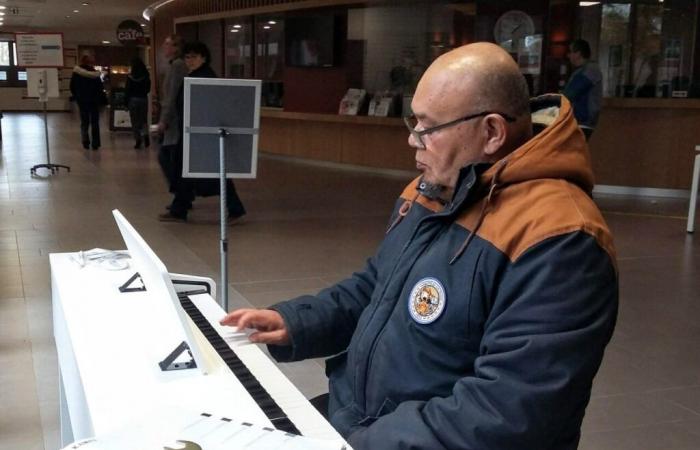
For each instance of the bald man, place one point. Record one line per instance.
(482, 318)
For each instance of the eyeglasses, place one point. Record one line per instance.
(412, 122)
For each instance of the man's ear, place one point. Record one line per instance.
(495, 132)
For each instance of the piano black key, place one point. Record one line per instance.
(258, 392)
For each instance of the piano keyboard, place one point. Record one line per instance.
(277, 397)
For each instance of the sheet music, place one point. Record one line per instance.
(203, 431)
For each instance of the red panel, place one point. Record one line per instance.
(314, 90)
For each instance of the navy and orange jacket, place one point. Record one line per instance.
(519, 293)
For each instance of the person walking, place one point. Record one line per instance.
(87, 90)
(168, 124)
(138, 85)
(197, 59)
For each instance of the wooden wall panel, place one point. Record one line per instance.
(645, 147)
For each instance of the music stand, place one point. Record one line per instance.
(43, 83)
(221, 124)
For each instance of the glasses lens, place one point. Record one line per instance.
(412, 122)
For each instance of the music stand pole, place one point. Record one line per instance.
(46, 134)
(52, 167)
(222, 201)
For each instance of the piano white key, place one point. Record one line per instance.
(298, 409)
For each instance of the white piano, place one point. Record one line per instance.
(110, 344)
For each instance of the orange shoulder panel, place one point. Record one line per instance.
(524, 214)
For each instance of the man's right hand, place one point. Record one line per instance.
(269, 325)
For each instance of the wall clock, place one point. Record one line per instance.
(512, 26)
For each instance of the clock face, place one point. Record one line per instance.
(511, 27)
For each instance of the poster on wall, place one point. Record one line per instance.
(39, 49)
(530, 54)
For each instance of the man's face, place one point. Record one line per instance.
(169, 49)
(447, 150)
(575, 57)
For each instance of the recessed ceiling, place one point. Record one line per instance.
(58, 15)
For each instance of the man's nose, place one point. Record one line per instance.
(414, 142)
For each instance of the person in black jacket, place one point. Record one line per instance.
(87, 90)
(138, 85)
(197, 58)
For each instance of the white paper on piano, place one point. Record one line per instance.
(180, 431)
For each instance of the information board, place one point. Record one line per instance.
(39, 49)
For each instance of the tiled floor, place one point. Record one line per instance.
(308, 226)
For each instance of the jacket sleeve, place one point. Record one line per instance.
(127, 91)
(577, 86)
(177, 73)
(74, 85)
(552, 315)
(322, 325)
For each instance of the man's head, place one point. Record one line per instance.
(579, 52)
(172, 46)
(479, 88)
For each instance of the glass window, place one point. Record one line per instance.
(239, 42)
(397, 43)
(21, 75)
(269, 54)
(4, 53)
(3, 75)
(644, 47)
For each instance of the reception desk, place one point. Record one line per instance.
(375, 142)
(639, 142)
(646, 142)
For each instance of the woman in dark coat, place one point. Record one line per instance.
(197, 58)
(138, 85)
(88, 92)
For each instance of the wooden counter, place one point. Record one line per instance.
(646, 142)
(378, 142)
(639, 142)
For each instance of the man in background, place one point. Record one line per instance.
(168, 125)
(585, 87)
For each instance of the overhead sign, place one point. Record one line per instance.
(39, 49)
(129, 32)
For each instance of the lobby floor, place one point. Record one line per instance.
(308, 226)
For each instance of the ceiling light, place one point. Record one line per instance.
(67, 17)
(267, 27)
(235, 31)
(106, 42)
(76, 11)
(85, 3)
(587, 3)
(237, 26)
(2, 7)
(271, 22)
(142, 24)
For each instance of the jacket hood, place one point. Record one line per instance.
(85, 72)
(558, 150)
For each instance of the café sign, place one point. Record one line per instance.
(129, 32)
